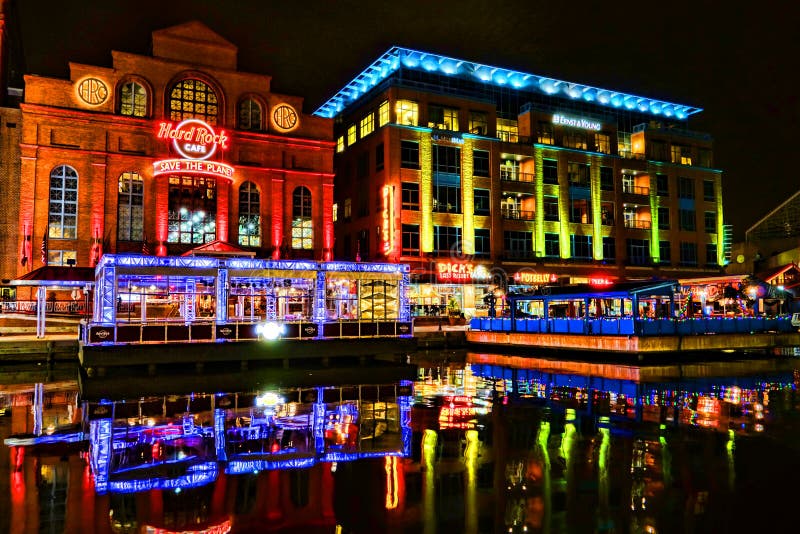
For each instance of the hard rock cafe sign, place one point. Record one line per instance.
(195, 141)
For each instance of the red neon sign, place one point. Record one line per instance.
(193, 138)
(600, 281)
(534, 278)
(188, 166)
(460, 272)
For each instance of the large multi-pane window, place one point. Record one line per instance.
(340, 144)
(482, 242)
(708, 190)
(662, 185)
(302, 224)
(575, 140)
(480, 163)
(407, 112)
(446, 159)
(62, 222)
(446, 179)
(133, 100)
(550, 208)
(711, 254)
(688, 253)
(383, 113)
(518, 245)
(352, 135)
(410, 196)
(638, 251)
(609, 248)
(249, 215)
(581, 246)
(249, 115)
(62, 257)
(685, 187)
(681, 154)
(550, 171)
(663, 218)
(409, 154)
(446, 240)
(606, 179)
(580, 210)
(193, 99)
(544, 133)
(410, 236)
(442, 118)
(482, 202)
(686, 220)
(446, 196)
(192, 210)
(710, 219)
(578, 174)
(552, 247)
(508, 130)
(367, 124)
(478, 123)
(602, 143)
(607, 213)
(130, 207)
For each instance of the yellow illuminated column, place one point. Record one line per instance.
(542, 439)
(655, 250)
(426, 191)
(429, 441)
(563, 209)
(597, 219)
(471, 499)
(720, 234)
(538, 233)
(467, 199)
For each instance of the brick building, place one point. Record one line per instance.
(167, 152)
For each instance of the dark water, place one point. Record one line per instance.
(472, 443)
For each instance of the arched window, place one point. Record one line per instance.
(249, 218)
(302, 228)
(192, 212)
(130, 210)
(63, 212)
(250, 115)
(193, 99)
(133, 100)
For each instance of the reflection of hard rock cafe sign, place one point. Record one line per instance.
(195, 141)
(460, 272)
(193, 138)
(534, 278)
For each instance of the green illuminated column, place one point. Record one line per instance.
(467, 199)
(654, 237)
(597, 220)
(426, 191)
(720, 231)
(563, 208)
(547, 495)
(538, 233)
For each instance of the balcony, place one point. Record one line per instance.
(518, 215)
(638, 224)
(510, 175)
(628, 154)
(635, 189)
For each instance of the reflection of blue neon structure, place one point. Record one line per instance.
(219, 434)
(100, 431)
(404, 403)
(398, 58)
(197, 475)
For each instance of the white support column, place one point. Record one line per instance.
(41, 303)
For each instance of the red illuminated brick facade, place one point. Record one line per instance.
(103, 122)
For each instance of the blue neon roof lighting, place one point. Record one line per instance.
(391, 60)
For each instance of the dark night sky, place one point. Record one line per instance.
(734, 62)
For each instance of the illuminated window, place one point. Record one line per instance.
(367, 124)
(383, 113)
(348, 208)
(407, 112)
(442, 118)
(335, 212)
(581, 246)
(580, 210)
(62, 222)
(352, 135)
(250, 115)
(133, 100)
(688, 253)
(446, 240)
(607, 213)
(410, 196)
(62, 257)
(609, 248)
(478, 123)
(602, 143)
(249, 215)
(130, 210)
(446, 179)
(193, 99)
(302, 225)
(340, 144)
(518, 245)
(410, 239)
(575, 140)
(507, 130)
(544, 133)
(681, 154)
(192, 210)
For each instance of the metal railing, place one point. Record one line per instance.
(518, 215)
(508, 175)
(638, 224)
(635, 189)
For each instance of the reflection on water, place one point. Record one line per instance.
(479, 443)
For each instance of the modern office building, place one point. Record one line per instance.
(168, 152)
(480, 176)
